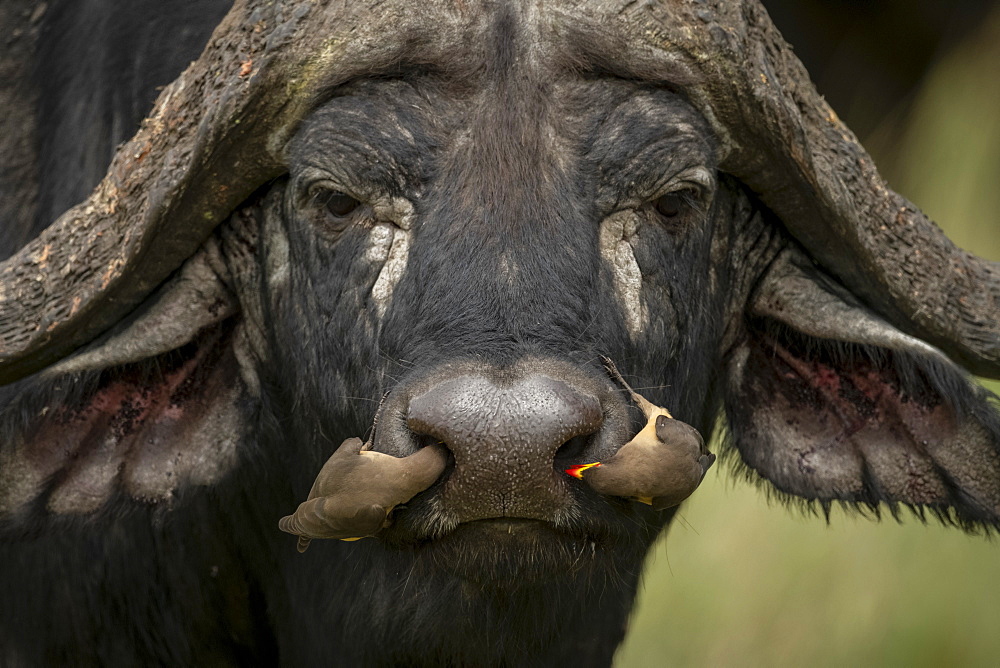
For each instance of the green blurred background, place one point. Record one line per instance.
(740, 581)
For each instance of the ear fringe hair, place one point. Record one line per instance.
(967, 517)
(917, 372)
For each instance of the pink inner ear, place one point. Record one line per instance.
(843, 430)
(857, 397)
(147, 430)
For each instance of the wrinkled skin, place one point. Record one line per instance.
(525, 201)
(509, 182)
(512, 188)
(454, 250)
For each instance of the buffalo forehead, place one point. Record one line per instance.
(617, 138)
(509, 148)
(502, 187)
(547, 76)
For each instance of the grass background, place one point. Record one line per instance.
(741, 582)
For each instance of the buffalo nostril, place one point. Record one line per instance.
(426, 440)
(574, 450)
(506, 438)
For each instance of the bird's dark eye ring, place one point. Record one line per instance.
(338, 204)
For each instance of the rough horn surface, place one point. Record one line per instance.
(217, 133)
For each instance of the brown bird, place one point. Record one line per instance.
(661, 466)
(357, 488)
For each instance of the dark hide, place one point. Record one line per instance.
(520, 190)
(98, 68)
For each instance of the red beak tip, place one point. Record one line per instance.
(577, 471)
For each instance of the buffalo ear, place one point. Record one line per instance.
(828, 402)
(151, 407)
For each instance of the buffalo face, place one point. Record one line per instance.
(473, 250)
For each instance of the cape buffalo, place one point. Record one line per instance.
(443, 228)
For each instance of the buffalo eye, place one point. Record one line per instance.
(669, 205)
(335, 211)
(672, 208)
(338, 204)
(675, 203)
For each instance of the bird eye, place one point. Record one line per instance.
(337, 204)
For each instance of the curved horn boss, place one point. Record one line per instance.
(217, 133)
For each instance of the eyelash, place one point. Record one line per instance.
(334, 210)
(672, 204)
(336, 203)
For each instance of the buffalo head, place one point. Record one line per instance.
(442, 221)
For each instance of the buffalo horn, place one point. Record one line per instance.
(215, 135)
(218, 132)
(784, 141)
